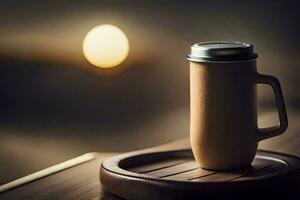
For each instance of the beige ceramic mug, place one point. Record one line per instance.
(223, 129)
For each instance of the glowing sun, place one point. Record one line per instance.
(105, 46)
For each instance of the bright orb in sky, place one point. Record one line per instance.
(105, 46)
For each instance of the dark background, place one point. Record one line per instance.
(54, 105)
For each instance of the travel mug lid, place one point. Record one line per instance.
(221, 52)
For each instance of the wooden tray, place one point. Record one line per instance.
(175, 175)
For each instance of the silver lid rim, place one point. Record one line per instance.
(197, 59)
(229, 61)
(221, 51)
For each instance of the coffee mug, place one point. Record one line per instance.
(223, 100)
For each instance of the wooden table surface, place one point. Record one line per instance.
(82, 181)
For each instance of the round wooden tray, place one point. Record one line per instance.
(175, 175)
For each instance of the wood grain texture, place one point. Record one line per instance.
(269, 173)
(79, 182)
(82, 182)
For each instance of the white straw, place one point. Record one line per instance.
(48, 171)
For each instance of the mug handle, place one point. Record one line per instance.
(265, 133)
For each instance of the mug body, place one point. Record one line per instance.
(223, 114)
(223, 121)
